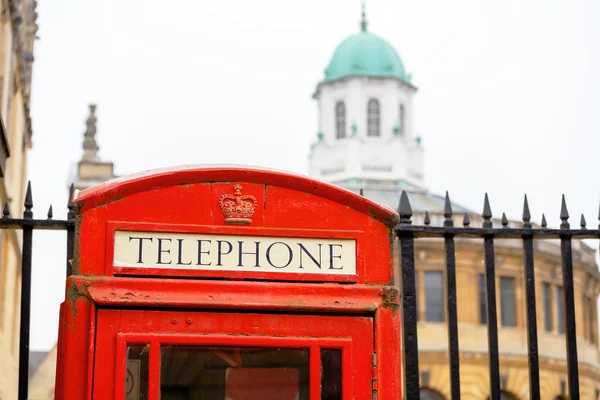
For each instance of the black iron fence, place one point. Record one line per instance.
(27, 224)
(408, 233)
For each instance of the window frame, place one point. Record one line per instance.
(429, 317)
(508, 304)
(373, 118)
(340, 120)
(401, 118)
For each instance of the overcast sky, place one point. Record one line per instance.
(507, 101)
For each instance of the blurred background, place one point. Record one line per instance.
(506, 103)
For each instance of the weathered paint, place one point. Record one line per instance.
(187, 200)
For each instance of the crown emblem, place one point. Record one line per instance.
(238, 208)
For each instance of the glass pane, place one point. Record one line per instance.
(508, 301)
(136, 375)
(331, 374)
(233, 373)
(434, 296)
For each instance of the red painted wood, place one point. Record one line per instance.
(250, 295)
(73, 362)
(190, 197)
(387, 342)
(154, 373)
(351, 334)
(106, 302)
(315, 370)
(151, 181)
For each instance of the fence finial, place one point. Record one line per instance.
(71, 214)
(448, 211)
(466, 220)
(583, 223)
(504, 220)
(544, 223)
(405, 210)
(487, 213)
(427, 218)
(28, 202)
(526, 214)
(50, 212)
(564, 214)
(6, 211)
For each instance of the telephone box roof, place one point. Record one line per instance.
(118, 188)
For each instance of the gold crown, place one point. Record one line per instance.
(238, 208)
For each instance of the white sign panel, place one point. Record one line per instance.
(234, 253)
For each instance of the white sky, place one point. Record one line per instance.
(507, 97)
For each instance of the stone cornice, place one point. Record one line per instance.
(16, 21)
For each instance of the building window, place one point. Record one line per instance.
(482, 300)
(428, 394)
(373, 118)
(547, 301)
(591, 319)
(340, 120)
(434, 296)
(401, 119)
(508, 301)
(560, 310)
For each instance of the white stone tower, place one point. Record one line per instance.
(365, 102)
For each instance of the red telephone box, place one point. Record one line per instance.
(216, 283)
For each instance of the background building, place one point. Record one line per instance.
(366, 141)
(89, 171)
(17, 36)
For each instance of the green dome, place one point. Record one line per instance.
(365, 54)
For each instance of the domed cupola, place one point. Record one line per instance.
(365, 54)
(365, 136)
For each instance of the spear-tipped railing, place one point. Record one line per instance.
(407, 233)
(28, 224)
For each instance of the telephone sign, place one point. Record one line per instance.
(230, 283)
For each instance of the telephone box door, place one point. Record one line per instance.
(177, 355)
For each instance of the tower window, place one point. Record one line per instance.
(373, 117)
(340, 120)
(401, 119)
(434, 296)
(508, 301)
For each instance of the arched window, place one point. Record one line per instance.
(373, 118)
(340, 120)
(401, 119)
(428, 394)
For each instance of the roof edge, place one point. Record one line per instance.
(124, 186)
